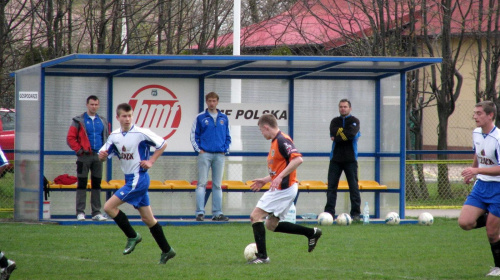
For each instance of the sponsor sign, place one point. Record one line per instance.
(166, 106)
(28, 96)
(157, 107)
(247, 114)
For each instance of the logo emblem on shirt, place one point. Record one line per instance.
(206, 122)
(221, 122)
(483, 153)
(125, 155)
(157, 108)
(272, 153)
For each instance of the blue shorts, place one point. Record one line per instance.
(485, 195)
(136, 196)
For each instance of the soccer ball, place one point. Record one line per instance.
(250, 251)
(392, 218)
(344, 219)
(325, 219)
(425, 219)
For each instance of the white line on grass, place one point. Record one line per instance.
(395, 276)
(56, 257)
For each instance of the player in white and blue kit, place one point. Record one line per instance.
(131, 144)
(3, 161)
(482, 207)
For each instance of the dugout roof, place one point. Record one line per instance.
(233, 67)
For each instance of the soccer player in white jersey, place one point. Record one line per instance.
(131, 144)
(482, 207)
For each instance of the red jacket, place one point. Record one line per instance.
(77, 138)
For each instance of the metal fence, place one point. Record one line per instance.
(7, 191)
(436, 183)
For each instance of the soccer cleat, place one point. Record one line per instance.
(131, 242)
(99, 217)
(200, 217)
(80, 217)
(313, 240)
(5, 273)
(167, 256)
(221, 217)
(260, 261)
(356, 218)
(495, 271)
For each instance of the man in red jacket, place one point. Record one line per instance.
(86, 135)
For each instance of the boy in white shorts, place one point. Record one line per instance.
(282, 163)
(131, 144)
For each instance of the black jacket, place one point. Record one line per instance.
(346, 133)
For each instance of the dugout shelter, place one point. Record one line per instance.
(167, 92)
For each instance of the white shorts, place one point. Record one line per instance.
(278, 202)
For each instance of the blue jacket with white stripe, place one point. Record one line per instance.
(210, 136)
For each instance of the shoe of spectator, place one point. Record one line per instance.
(221, 217)
(200, 217)
(80, 217)
(99, 217)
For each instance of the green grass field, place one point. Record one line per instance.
(376, 251)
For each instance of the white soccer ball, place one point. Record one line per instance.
(250, 251)
(425, 219)
(344, 219)
(325, 219)
(392, 218)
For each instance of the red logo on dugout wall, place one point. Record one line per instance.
(157, 108)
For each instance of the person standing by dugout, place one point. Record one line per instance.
(211, 139)
(86, 135)
(344, 132)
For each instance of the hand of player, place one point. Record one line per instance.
(146, 164)
(257, 185)
(275, 183)
(103, 155)
(469, 174)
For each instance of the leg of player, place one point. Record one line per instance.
(157, 232)
(493, 232)
(471, 217)
(259, 232)
(111, 208)
(312, 234)
(6, 267)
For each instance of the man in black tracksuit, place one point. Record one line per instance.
(344, 132)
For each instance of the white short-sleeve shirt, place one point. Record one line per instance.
(132, 147)
(487, 149)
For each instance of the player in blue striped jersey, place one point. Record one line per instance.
(131, 145)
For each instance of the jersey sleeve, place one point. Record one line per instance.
(153, 139)
(287, 148)
(110, 147)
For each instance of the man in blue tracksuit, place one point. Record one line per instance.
(210, 138)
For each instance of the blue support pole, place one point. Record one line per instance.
(42, 136)
(378, 125)
(291, 91)
(402, 144)
(109, 165)
(201, 94)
